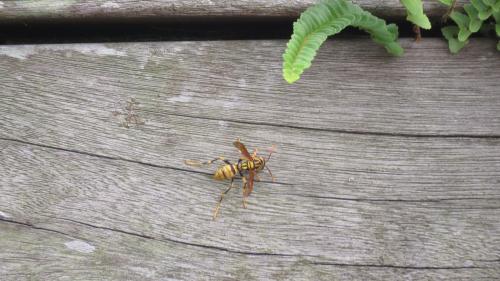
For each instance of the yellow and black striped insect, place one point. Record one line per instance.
(247, 168)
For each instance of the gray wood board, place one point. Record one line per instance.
(353, 86)
(87, 195)
(87, 10)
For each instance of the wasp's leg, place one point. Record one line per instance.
(257, 178)
(244, 191)
(272, 177)
(217, 207)
(197, 163)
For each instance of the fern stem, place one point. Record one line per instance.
(448, 13)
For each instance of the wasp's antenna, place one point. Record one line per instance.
(271, 151)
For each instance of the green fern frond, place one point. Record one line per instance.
(477, 12)
(325, 19)
(415, 11)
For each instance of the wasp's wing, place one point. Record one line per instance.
(241, 147)
(249, 188)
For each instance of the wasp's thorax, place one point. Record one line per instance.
(258, 163)
(242, 167)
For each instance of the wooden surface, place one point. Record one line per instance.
(90, 10)
(387, 168)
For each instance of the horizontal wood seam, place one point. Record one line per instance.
(340, 131)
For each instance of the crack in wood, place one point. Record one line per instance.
(341, 131)
(146, 237)
(33, 226)
(125, 159)
(397, 266)
(395, 200)
(404, 267)
(103, 156)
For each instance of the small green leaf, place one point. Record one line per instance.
(496, 7)
(460, 19)
(475, 25)
(455, 45)
(420, 20)
(490, 3)
(479, 5)
(463, 35)
(497, 29)
(450, 33)
(463, 24)
(446, 2)
(483, 15)
(484, 11)
(415, 11)
(394, 49)
(496, 15)
(474, 21)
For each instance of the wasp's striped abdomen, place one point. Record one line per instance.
(226, 172)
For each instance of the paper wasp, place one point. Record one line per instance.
(247, 168)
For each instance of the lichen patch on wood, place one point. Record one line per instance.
(80, 246)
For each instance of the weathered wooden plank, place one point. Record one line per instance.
(416, 196)
(353, 86)
(361, 167)
(124, 210)
(87, 10)
(111, 255)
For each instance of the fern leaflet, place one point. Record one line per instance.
(328, 18)
(416, 15)
(476, 13)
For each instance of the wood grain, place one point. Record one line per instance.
(406, 186)
(353, 86)
(288, 224)
(165, 10)
(121, 256)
